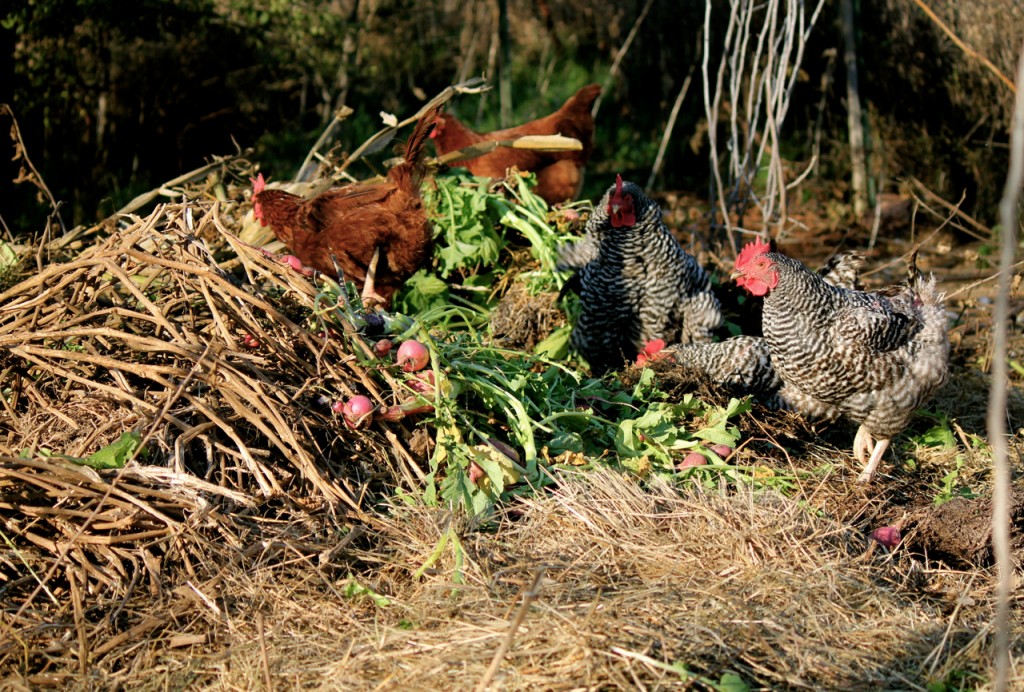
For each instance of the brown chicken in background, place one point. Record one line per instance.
(559, 174)
(376, 231)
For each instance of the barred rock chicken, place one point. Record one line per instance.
(376, 231)
(875, 356)
(559, 174)
(636, 282)
(743, 364)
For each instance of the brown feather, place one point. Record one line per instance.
(559, 174)
(348, 224)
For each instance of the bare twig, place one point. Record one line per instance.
(977, 230)
(528, 598)
(761, 54)
(382, 137)
(619, 55)
(667, 135)
(1009, 219)
(964, 47)
(307, 168)
(20, 152)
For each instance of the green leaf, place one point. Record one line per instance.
(731, 682)
(353, 589)
(116, 454)
(937, 436)
(8, 257)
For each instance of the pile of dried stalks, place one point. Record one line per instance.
(146, 331)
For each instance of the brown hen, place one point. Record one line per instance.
(559, 174)
(376, 232)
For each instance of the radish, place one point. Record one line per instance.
(692, 459)
(382, 348)
(889, 536)
(721, 450)
(356, 411)
(422, 383)
(475, 472)
(413, 356)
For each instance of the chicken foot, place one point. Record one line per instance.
(862, 443)
(370, 294)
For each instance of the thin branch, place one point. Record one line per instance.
(506, 643)
(964, 47)
(614, 69)
(660, 158)
(21, 152)
(1009, 220)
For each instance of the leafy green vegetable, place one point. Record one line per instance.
(114, 456)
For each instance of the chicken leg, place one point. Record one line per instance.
(862, 443)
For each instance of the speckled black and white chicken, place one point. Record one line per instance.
(743, 364)
(636, 282)
(873, 356)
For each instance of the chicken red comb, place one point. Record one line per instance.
(258, 183)
(750, 251)
(618, 183)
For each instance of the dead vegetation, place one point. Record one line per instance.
(254, 546)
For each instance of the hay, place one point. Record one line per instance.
(634, 584)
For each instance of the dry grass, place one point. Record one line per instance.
(633, 580)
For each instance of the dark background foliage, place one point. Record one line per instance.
(113, 100)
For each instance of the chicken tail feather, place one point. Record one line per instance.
(410, 171)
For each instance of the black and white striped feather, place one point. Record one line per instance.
(743, 364)
(636, 283)
(875, 356)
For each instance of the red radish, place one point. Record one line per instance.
(475, 472)
(357, 410)
(692, 459)
(250, 341)
(413, 356)
(721, 450)
(338, 406)
(889, 536)
(382, 348)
